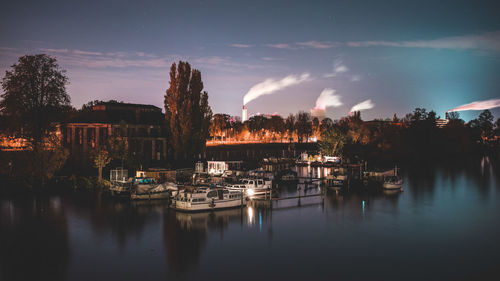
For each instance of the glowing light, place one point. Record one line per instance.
(250, 191)
(250, 215)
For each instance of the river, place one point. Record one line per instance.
(445, 225)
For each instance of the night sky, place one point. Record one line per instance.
(399, 54)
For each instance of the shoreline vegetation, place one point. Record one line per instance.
(41, 161)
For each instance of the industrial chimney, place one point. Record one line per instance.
(244, 114)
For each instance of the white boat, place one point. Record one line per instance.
(121, 185)
(206, 199)
(393, 183)
(251, 187)
(159, 191)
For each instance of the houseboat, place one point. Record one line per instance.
(207, 199)
(251, 187)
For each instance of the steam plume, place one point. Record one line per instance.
(478, 105)
(270, 86)
(367, 104)
(328, 98)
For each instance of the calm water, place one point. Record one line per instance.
(444, 226)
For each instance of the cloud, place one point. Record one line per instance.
(318, 44)
(481, 41)
(55, 50)
(241, 45)
(328, 98)
(280, 46)
(271, 59)
(367, 104)
(355, 78)
(270, 86)
(478, 105)
(338, 68)
(79, 52)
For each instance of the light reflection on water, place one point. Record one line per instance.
(444, 216)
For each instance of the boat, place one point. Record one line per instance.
(251, 187)
(121, 185)
(157, 191)
(338, 178)
(207, 199)
(289, 176)
(393, 182)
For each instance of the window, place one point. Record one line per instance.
(212, 193)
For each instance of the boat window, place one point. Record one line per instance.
(260, 182)
(212, 193)
(251, 182)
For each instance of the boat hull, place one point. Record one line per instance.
(150, 196)
(392, 186)
(207, 206)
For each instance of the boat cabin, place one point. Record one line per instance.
(217, 168)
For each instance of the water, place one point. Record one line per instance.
(444, 226)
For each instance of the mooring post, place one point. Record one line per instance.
(242, 199)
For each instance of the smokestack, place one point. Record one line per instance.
(244, 114)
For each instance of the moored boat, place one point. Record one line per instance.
(206, 199)
(393, 183)
(251, 187)
(160, 191)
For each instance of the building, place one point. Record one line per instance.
(91, 129)
(440, 123)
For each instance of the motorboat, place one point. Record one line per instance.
(392, 183)
(289, 176)
(155, 191)
(251, 187)
(121, 185)
(207, 199)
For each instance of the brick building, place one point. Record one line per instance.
(92, 128)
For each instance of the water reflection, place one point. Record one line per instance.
(33, 239)
(185, 235)
(442, 207)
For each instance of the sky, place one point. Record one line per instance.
(398, 54)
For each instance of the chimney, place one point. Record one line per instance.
(244, 114)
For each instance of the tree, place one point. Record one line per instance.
(34, 97)
(315, 127)
(277, 126)
(332, 142)
(485, 121)
(326, 124)
(290, 126)
(118, 144)
(101, 160)
(219, 125)
(187, 113)
(303, 126)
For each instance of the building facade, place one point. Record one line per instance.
(91, 129)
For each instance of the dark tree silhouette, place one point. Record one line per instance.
(34, 97)
(187, 113)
